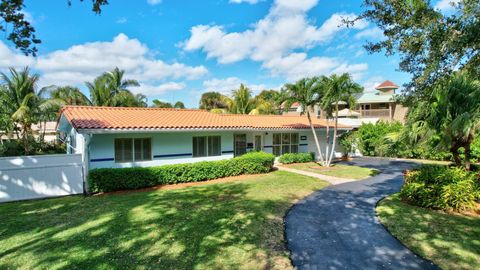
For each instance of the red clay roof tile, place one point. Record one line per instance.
(90, 117)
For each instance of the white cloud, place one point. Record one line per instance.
(284, 29)
(154, 2)
(370, 84)
(155, 90)
(251, 2)
(446, 5)
(225, 86)
(122, 20)
(83, 62)
(279, 41)
(370, 33)
(298, 65)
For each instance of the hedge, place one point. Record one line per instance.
(108, 179)
(296, 158)
(441, 187)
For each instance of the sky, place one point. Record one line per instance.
(179, 49)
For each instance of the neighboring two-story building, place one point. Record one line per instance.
(370, 107)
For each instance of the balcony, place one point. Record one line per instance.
(375, 113)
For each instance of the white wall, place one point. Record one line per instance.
(32, 177)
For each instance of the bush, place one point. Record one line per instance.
(296, 158)
(108, 179)
(15, 148)
(441, 187)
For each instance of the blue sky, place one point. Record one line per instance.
(180, 49)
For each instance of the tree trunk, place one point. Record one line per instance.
(467, 156)
(335, 128)
(327, 142)
(317, 144)
(456, 156)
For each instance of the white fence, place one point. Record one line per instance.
(32, 177)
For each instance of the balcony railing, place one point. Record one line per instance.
(380, 113)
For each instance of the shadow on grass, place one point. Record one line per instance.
(451, 241)
(213, 226)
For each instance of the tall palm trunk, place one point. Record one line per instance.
(456, 156)
(317, 144)
(335, 128)
(327, 146)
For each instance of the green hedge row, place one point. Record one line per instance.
(296, 158)
(108, 179)
(441, 187)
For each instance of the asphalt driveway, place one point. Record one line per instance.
(336, 227)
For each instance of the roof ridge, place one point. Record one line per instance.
(128, 108)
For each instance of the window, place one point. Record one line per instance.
(207, 146)
(136, 149)
(285, 143)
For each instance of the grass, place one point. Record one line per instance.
(452, 241)
(337, 170)
(235, 225)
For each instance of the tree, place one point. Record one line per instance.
(453, 112)
(161, 104)
(179, 105)
(308, 92)
(337, 89)
(21, 101)
(23, 33)
(66, 95)
(212, 100)
(111, 89)
(431, 44)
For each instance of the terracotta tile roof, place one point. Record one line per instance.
(386, 85)
(89, 117)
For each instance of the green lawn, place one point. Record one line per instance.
(234, 225)
(337, 170)
(450, 241)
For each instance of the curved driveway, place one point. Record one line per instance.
(336, 227)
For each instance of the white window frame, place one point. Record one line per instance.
(281, 145)
(207, 145)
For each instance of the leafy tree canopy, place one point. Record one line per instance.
(22, 33)
(431, 44)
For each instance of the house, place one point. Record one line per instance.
(116, 137)
(46, 129)
(374, 106)
(370, 107)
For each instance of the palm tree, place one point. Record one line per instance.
(212, 100)
(66, 95)
(241, 101)
(21, 101)
(116, 82)
(454, 113)
(308, 92)
(338, 89)
(161, 104)
(179, 105)
(111, 89)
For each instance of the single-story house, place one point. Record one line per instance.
(117, 137)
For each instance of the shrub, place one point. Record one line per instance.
(108, 179)
(348, 141)
(296, 158)
(441, 187)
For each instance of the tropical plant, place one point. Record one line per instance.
(111, 89)
(454, 114)
(212, 100)
(308, 92)
(161, 104)
(66, 95)
(241, 101)
(179, 105)
(20, 101)
(337, 89)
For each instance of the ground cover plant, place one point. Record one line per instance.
(449, 240)
(231, 225)
(441, 187)
(337, 170)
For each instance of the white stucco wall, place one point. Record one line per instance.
(176, 147)
(32, 177)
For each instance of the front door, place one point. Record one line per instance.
(258, 142)
(240, 144)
